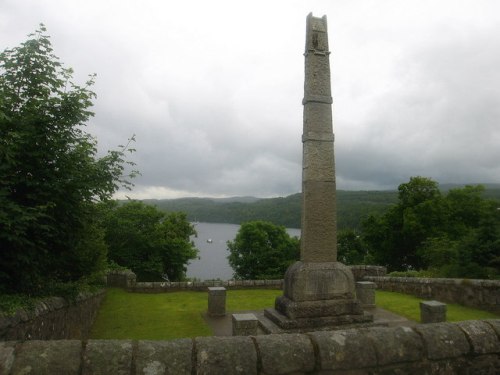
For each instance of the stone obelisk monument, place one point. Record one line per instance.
(318, 291)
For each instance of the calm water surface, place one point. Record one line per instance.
(213, 262)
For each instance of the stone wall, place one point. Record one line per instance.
(127, 279)
(52, 319)
(481, 294)
(156, 287)
(361, 271)
(470, 347)
(121, 278)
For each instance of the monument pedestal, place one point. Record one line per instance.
(318, 296)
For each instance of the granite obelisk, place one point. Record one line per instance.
(318, 291)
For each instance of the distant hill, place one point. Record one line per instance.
(352, 207)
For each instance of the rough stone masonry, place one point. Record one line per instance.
(318, 291)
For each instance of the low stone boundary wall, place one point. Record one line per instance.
(127, 279)
(156, 287)
(52, 319)
(121, 278)
(471, 347)
(481, 294)
(361, 271)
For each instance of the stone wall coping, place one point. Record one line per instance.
(430, 280)
(469, 346)
(42, 307)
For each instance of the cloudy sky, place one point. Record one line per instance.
(212, 89)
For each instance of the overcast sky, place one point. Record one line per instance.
(212, 89)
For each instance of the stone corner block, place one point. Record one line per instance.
(216, 301)
(286, 353)
(432, 312)
(245, 324)
(225, 355)
(365, 293)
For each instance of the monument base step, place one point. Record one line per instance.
(272, 321)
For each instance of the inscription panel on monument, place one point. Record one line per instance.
(325, 284)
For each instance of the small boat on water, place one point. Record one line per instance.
(209, 240)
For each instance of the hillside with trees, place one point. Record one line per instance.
(352, 207)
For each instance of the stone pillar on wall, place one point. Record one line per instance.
(318, 291)
(245, 325)
(365, 292)
(432, 312)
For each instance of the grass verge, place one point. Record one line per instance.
(408, 306)
(166, 316)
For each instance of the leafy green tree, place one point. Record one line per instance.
(456, 235)
(262, 250)
(150, 242)
(350, 248)
(50, 176)
(393, 239)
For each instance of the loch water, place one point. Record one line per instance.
(212, 243)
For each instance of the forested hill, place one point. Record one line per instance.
(352, 207)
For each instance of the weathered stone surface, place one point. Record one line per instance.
(103, 357)
(443, 340)
(485, 364)
(365, 293)
(350, 349)
(217, 301)
(285, 354)
(245, 324)
(319, 308)
(432, 312)
(48, 357)
(361, 271)
(53, 318)
(396, 344)
(481, 335)
(164, 357)
(318, 281)
(6, 356)
(225, 355)
(318, 323)
(495, 324)
(318, 225)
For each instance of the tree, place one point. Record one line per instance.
(393, 239)
(50, 176)
(350, 248)
(456, 235)
(262, 250)
(148, 241)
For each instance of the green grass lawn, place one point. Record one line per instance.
(409, 307)
(166, 316)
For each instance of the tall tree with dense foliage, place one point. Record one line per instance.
(262, 250)
(148, 241)
(451, 235)
(50, 176)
